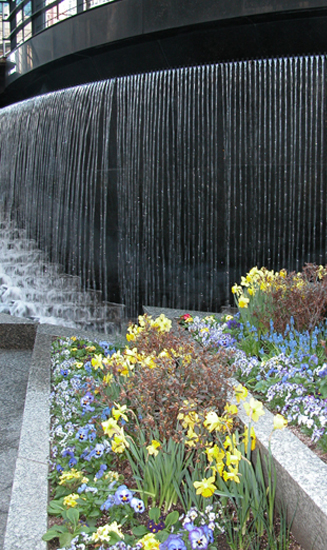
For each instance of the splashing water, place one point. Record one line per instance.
(34, 288)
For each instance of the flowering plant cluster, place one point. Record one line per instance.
(100, 418)
(287, 366)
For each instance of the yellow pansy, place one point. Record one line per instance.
(149, 542)
(70, 501)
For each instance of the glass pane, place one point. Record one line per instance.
(19, 17)
(67, 8)
(28, 10)
(28, 31)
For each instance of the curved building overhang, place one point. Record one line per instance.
(130, 36)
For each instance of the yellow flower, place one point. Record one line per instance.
(229, 317)
(279, 422)
(149, 542)
(107, 379)
(162, 323)
(74, 338)
(243, 302)
(212, 421)
(231, 409)
(90, 348)
(254, 409)
(119, 444)
(97, 361)
(215, 453)
(119, 412)
(240, 393)
(78, 365)
(232, 474)
(236, 289)
(233, 458)
(70, 500)
(230, 443)
(110, 427)
(206, 487)
(153, 448)
(69, 476)
(102, 533)
(246, 438)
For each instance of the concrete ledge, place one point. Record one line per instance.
(301, 480)
(16, 333)
(301, 475)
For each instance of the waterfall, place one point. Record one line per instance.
(163, 188)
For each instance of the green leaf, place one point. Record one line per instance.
(56, 507)
(154, 514)
(171, 518)
(161, 536)
(53, 532)
(73, 516)
(140, 531)
(65, 539)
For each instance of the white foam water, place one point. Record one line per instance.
(34, 288)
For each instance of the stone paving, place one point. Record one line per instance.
(14, 371)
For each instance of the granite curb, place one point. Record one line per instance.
(301, 475)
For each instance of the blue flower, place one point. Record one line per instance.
(108, 503)
(198, 539)
(123, 495)
(173, 542)
(82, 433)
(59, 468)
(73, 461)
(64, 372)
(137, 505)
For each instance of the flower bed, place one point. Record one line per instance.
(146, 451)
(286, 366)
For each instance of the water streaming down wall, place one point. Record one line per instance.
(163, 188)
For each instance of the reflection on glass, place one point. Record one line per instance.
(19, 17)
(94, 3)
(61, 11)
(27, 10)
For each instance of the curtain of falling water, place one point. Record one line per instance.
(275, 171)
(220, 168)
(54, 167)
(171, 207)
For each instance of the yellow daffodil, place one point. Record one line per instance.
(212, 421)
(214, 453)
(246, 438)
(231, 409)
(243, 302)
(96, 361)
(279, 422)
(119, 443)
(70, 501)
(119, 412)
(232, 474)
(107, 379)
(233, 458)
(240, 393)
(206, 487)
(230, 442)
(254, 409)
(153, 448)
(110, 427)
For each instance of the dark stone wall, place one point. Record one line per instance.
(135, 36)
